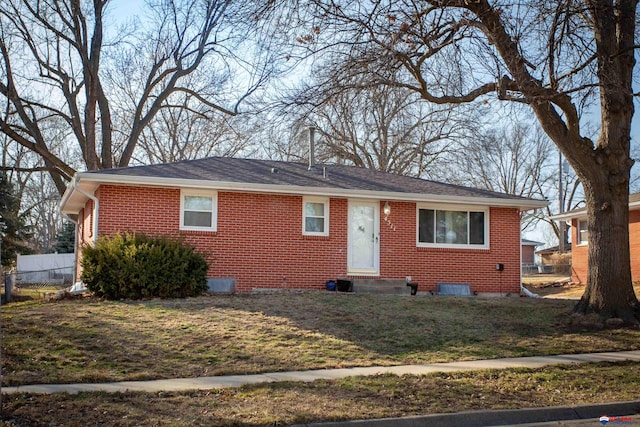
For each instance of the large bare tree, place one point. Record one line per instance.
(61, 63)
(556, 56)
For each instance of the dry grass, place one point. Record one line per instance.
(280, 404)
(550, 286)
(543, 279)
(97, 341)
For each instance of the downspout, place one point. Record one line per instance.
(527, 292)
(96, 205)
(524, 290)
(75, 245)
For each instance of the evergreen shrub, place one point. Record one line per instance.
(134, 266)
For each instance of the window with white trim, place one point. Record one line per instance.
(453, 227)
(582, 232)
(315, 216)
(198, 210)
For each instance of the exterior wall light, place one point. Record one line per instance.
(387, 209)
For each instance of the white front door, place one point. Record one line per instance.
(364, 238)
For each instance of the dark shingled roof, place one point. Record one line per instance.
(528, 242)
(253, 171)
(554, 249)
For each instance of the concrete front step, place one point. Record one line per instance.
(381, 286)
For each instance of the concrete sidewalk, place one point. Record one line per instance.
(205, 383)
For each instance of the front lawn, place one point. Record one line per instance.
(97, 341)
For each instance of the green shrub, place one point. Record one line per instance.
(134, 266)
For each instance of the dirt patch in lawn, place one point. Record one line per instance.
(564, 289)
(550, 286)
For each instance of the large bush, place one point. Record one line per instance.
(134, 266)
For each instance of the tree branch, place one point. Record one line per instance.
(33, 169)
(205, 101)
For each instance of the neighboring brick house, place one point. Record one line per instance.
(271, 224)
(529, 251)
(580, 239)
(528, 256)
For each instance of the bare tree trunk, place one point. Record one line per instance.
(608, 290)
(604, 167)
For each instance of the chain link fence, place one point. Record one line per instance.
(541, 269)
(36, 283)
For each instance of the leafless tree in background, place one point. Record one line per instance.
(512, 159)
(387, 129)
(283, 139)
(378, 127)
(182, 133)
(38, 195)
(519, 159)
(41, 199)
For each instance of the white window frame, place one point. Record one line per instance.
(325, 202)
(581, 242)
(457, 208)
(214, 206)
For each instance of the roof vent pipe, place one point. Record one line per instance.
(312, 147)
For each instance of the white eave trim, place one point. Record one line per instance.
(94, 180)
(568, 216)
(582, 213)
(66, 196)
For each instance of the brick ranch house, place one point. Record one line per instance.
(577, 218)
(270, 224)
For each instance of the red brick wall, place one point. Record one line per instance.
(528, 254)
(259, 241)
(579, 254)
(634, 244)
(399, 256)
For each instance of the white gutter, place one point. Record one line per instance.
(525, 204)
(75, 245)
(96, 205)
(67, 194)
(568, 216)
(524, 290)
